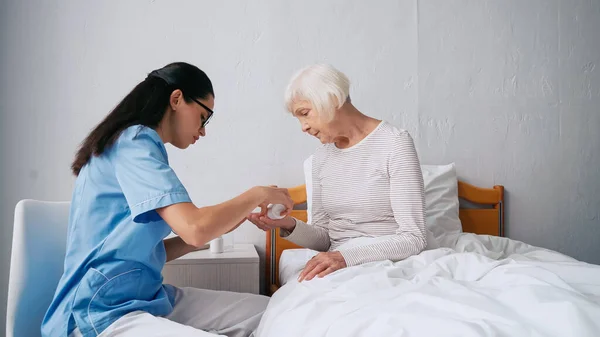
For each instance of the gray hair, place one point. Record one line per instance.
(325, 87)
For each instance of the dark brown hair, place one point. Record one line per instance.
(145, 105)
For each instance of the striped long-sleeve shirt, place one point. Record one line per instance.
(373, 189)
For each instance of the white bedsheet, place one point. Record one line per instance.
(473, 286)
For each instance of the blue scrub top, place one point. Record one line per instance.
(115, 251)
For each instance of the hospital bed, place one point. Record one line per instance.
(474, 282)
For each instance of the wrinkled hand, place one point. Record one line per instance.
(321, 265)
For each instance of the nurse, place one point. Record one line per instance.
(126, 200)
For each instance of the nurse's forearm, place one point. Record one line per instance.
(197, 226)
(214, 221)
(238, 225)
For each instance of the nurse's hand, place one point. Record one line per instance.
(275, 195)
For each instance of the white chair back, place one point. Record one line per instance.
(36, 265)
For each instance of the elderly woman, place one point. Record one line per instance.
(366, 180)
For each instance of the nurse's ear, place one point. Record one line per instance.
(176, 99)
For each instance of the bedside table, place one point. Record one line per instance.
(236, 269)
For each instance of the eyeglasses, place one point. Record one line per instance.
(210, 112)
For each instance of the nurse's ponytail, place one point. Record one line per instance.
(146, 104)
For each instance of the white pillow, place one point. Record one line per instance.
(309, 186)
(441, 200)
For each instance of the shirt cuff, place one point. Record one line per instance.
(300, 231)
(145, 210)
(352, 257)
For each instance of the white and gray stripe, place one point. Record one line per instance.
(373, 189)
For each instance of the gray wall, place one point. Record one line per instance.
(509, 90)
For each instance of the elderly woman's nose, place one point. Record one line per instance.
(305, 127)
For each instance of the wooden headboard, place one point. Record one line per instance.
(487, 220)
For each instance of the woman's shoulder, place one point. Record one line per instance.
(320, 152)
(137, 132)
(393, 132)
(317, 158)
(395, 141)
(140, 137)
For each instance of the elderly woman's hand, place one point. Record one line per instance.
(321, 265)
(263, 222)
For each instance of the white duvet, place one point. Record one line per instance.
(474, 286)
